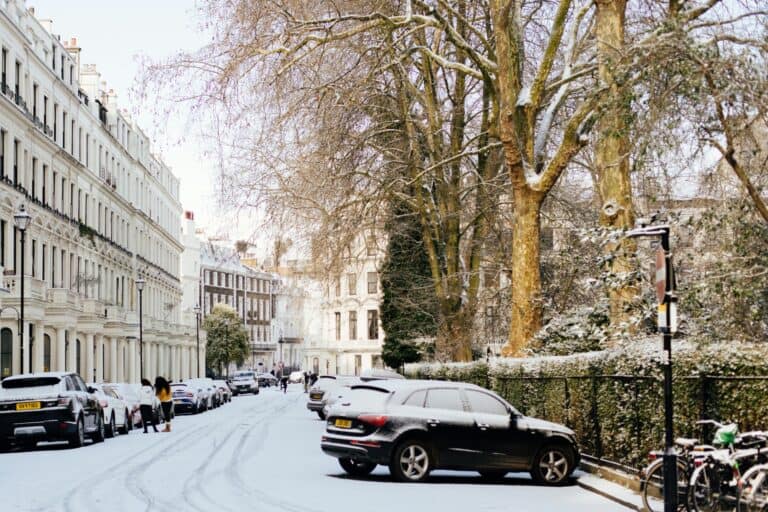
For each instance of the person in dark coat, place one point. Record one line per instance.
(284, 383)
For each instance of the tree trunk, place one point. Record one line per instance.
(612, 154)
(454, 336)
(526, 273)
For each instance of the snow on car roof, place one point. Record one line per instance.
(38, 374)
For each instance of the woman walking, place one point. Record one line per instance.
(146, 397)
(163, 391)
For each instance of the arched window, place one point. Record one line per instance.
(46, 353)
(6, 352)
(316, 365)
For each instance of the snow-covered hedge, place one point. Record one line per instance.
(614, 399)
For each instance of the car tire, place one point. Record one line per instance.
(411, 461)
(111, 429)
(126, 425)
(355, 467)
(78, 438)
(100, 434)
(493, 475)
(553, 465)
(321, 415)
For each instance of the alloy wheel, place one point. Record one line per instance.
(414, 462)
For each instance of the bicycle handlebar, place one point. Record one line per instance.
(710, 422)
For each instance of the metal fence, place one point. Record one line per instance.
(620, 417)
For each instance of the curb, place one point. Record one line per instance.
(608, 496)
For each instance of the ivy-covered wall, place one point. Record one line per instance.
(614, 399)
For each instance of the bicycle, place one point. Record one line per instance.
(714, 483)
(753, 490)
(652, 477)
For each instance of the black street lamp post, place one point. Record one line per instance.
(22, 219)
(667, 323)
(197, 334)
(140, 287)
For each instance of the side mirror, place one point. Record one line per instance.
(91, 389)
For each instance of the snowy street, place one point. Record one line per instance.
(260, 452)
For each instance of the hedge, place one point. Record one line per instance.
(613, 399)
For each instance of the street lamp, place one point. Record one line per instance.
(667, 324)
(197, 333)
(22, 219)
(140, 286)
(280, 364)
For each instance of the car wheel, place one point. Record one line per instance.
(78, 438)
(552, 465)
(411, 461)
(99, 435)
(356, 467)
(111, 428)
(494, 475)
(321, 415)
(126, 425)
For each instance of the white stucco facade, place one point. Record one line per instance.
(105, 212)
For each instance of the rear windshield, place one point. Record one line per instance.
(243, 375)
(30, 382)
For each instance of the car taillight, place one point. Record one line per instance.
(652, 456)
(375, 420)
(698, 462)
(189, 394)
(103, 403)
(64, 402)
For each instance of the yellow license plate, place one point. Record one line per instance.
(343, 423)
(27, 406)
(315, 396)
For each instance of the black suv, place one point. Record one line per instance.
(417, 426)
(51, 406)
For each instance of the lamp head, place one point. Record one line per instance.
(197, 310)
(140, 284)
(21, 218)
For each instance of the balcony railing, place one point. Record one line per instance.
(33, 288)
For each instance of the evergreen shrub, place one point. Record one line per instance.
(613, 399)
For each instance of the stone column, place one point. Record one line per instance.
(99, 358)
(132, 364)
(38, 352)
(61, 349)
(9, 230)
(89, 362)
(72, 356)
(113, 360)
(25, 346)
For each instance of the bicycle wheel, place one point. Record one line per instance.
(652, 486)
(753, 491)
(705, 491)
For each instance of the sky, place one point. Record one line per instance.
(114, 35)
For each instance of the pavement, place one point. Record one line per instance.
(259, 453)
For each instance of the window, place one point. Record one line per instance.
(337, 285)
(352, 284)
(373, 283)
(358, 364)
(370, 246)
(373, 324)
(416, 399)
(444, 399)
(485, 403)
(337, 317)
(353, 325)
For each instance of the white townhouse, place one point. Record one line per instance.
(351, 335)
(105, 214)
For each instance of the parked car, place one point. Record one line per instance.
(49, 406)
(244, 381)
(210, 393)
(266, 380)
(226, 393)
(318, 391)
(117, 419)
(129, 394)
(296, 377)
(415, 427)
(186, 398)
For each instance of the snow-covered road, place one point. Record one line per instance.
(258, 453)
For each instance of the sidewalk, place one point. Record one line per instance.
(627, 498)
